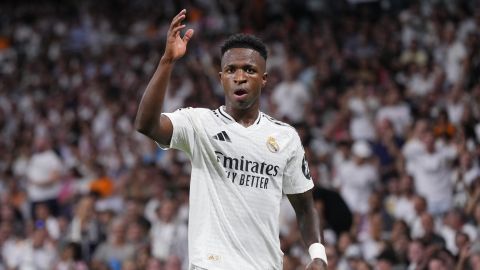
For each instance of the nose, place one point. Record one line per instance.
(239, 76)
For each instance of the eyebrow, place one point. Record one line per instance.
(241, 66)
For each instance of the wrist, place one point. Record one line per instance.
(167, 60)
(317, 251)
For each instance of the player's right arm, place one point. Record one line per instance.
(149, 120)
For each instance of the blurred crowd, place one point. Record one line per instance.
(384, 94)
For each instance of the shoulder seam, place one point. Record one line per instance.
(277, 122)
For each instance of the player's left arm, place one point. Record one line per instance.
(309, 225)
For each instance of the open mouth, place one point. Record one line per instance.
(240, 92)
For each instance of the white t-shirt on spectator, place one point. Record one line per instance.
(291, 99)
(432, 177)
(239, 175)
(361, 126)
(420, 85)
(40, 170)
(410, 151)
(176, 100)
(405, 210)
(398, 115)
(456, 53)
(164, 236)
(455, 112)
(449, 234)
(356, 183)
(27, 257)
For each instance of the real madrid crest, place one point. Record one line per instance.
(272, 144)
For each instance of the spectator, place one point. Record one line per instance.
(361, 111)
(403, 208)
(71, 258)
(44, 172)
(396, 111)
(431, 174)
(387, 149)
(84, 228)
(454, 223)
(430, 234)
(291, 97)
(167, 234)
(416, 257)
(455, 55)
(357, 178)
(414, 145)
(37, 252)
(42, 212)
(115, 250)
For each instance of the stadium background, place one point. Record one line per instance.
(385, 96)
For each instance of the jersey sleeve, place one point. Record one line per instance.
(296, 177)
(183, 134)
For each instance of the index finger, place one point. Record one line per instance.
(178, 18)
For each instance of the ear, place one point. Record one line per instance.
(220, 76)
(264, 79)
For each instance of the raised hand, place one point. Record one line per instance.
(176, 45)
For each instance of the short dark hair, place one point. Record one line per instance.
(245, 41)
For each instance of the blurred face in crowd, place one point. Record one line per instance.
(243, 76)
(133, 209)
(399, 228)
(85, 208)
(461, 240)
(117, 232)
(421, 127)
(466, 160)
(476, 213)
(376, 225)
(454, 220)
(393, 186)
(429, 141)
(290, 263)
(427, 223)
(415, 252)
(393, 97)
(383, 265)
(173, 263)
(362, 265)
(7, 213)
(167, 210)
(332, 257)
(5, 231)
(344, 241)
(129, 265)
(39, 236)
(374, 202)
(406, 184)
(419, 204)
(135, 232)
(154, 264)
(42, 211)
(42, 144)
(436, 264)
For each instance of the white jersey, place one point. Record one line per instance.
(238, 177)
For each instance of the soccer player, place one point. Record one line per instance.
(242, 161)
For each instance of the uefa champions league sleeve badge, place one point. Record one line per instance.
(272, 144)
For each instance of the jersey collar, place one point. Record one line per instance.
(222, 114)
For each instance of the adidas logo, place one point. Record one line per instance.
(222, 136)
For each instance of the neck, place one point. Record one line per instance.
(245, 117)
